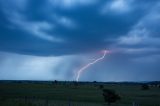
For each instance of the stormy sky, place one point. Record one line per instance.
(53, 39)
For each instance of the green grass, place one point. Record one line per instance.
(13, 94)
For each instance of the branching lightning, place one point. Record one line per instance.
(89, 64)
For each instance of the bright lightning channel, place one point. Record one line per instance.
(89, 64)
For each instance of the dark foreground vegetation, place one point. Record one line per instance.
(55, 93)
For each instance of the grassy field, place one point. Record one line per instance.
(30, 94)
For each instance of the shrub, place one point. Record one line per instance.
(110, 96)
(145, 87)
(101, 86)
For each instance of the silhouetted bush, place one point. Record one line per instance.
(101, 86)
(55, 81)
(75, 84)
(144, 87)
(110, 96)
(94, 82)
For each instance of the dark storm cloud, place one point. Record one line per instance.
(52, 27)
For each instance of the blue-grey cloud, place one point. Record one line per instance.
(51, 28)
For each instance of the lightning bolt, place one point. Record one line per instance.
(91, 63)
